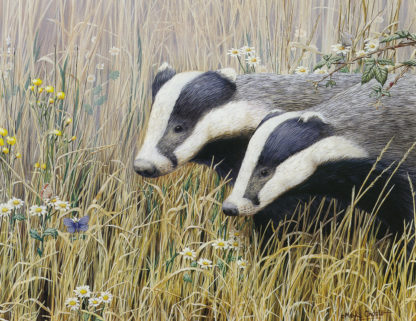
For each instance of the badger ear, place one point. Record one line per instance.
(228, 73)
(164, 73)
(311, 115)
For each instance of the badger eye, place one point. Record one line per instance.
(178, 129)
(264, 172)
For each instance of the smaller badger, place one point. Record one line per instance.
(297, 155)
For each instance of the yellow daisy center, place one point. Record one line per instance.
(63, 205)
(72, 303)
(105, 297)
(38, 210)
(16, 202)
(205, 263)
(235, 52)
(302, 69)
(4, 209)
(235, 243)
(221, 244)
(53, 200)
(189, 253)
(83, 291)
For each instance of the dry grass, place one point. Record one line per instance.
(138, 225)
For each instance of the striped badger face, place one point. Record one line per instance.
(283, 153)
(189, 110)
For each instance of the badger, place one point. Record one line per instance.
(208, 117)
(300, 154)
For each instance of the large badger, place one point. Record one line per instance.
(328, 152)
(208, 117)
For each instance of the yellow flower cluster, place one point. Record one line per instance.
(6, 142)
(37, 82)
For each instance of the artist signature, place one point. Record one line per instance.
(367, 315)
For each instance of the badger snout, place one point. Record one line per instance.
(229, 209)
(145, 168)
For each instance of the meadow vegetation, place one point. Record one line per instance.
(75, 97)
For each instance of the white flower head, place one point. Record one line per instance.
(72, 303)
(320, 71)
(114, 51)
(205, 263)
(242, 264)
(234, 52)
(83, 291)
(253, 60)
(246, 50)
(5, 209)
(51, 201)
(372, 45)
(99, 66)
(234, 233)
(91, 78)
(16, 203)
(94, 302)
(301, 70)
(234, 243)
(106, 297)
(220, 244)
(62, 206)
(187, 253)
(340, 49)
(361, 53)
(37, 210)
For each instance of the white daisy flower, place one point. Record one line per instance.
(234, 243)
(106, 297)
(188, 253)
(91, 78)
(5, 209)
(83, 291)
(72, 303)
(234, 233)
(114, 51)
(301, 70)
(361, 53)
(372, 45)
(37, 210)
(62, 206)
(220, 244)
(234, 52)
(340, 49)
(16, 203)
(247, 50)
(253, 60)
(99, 66)
(320, 71)
(242, 264)
(205, 263)
(51, 201)
(94, 302)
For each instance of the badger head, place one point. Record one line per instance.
(189, 110)
(283, 152)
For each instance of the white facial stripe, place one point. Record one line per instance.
(299, 167)
(232, 119)
(254, 148)
(162, 108)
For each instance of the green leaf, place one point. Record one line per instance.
(19, 217)
(34, 234)
(97, 90)
(50, 231)
(40, 252)
(114, 75)
(390, 38)
(410, 63)
(194, 264)
(319, 64)
(345, 69)
(330, 83)
(101, 100)
(380, 74)
(187, 278)
(368, 73)
(385, 62)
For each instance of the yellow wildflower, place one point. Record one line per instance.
(1, 142)
(5, 150)
(11, 140)
(43, 166)
(3, 131)
(37, 81)
(60, 95)
(51, 101)
(40, 90)
(32, 88)
(73, 138)
(37, 165)
(68, 121)
(18, 155)
(50, 89)
(57, 132)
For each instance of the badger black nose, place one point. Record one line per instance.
(229, 209)
(144, 168)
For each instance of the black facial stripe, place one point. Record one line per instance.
(287, 139)
(160, 79)
(197, 98)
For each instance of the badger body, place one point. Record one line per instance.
(209, 117)
(300, 155)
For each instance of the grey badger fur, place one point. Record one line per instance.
(208, 117)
